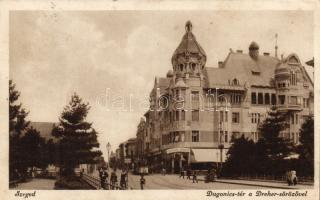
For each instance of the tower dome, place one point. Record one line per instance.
(169, 73)
(254, 50)
(282, 71)
(189, 54)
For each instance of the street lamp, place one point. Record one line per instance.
(108, 149)
(220, 127)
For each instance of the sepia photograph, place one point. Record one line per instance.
(213, 100)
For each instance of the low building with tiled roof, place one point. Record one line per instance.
(196, 110)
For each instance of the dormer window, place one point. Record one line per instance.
(235, 82)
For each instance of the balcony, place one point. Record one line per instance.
(289, 107)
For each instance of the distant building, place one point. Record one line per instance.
(45, 129)
(196, 110)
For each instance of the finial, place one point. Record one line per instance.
(276, 46)
(189, 26)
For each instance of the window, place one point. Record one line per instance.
(182, 136)
(177, 115)
(235, 117)
(226, 116)
(193, 65)
(260, 98)
(297, 118)
(226, 136)
(253, 98)
(292, 118)
(273, 99)
(195, 136)
(282, 99)
(181, 67)
(183, 115)
(235, 82)
(195, 95)
(293, 100)
(305, 103)
(267, 98)
(195, 115)
(235, 98)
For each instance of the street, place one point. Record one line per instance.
(172, 181)
(36, 184)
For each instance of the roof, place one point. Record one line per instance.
(180, 84)
(243, 68)
(44, 128)
(189, 44)
(310, 62)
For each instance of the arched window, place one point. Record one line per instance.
(235, 82)
(181, 67)
(193, 65)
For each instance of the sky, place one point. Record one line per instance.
(111, 58)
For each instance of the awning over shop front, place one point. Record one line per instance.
(208, 155)
(178, 150)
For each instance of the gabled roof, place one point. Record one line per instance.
(243, 68)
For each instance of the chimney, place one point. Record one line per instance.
(266, 54)
(239, 51)
(254, 50)
(220, 64)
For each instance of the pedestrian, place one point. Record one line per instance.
(188, 173)
(123, 181)
(103, 177)
(181, 173)
(194, 176)
(163, 171)
(113, 179)
(142, 181)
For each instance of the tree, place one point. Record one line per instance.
(276, 147)
(271, 145)
(33, 146)
(17, 125)
(76, 137)
(241, 158)
(306, 148)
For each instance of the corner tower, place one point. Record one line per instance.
(189, 58)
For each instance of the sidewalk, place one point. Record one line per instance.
(262, 183)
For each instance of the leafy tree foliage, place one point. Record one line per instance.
(241, 157)
(276, 147)
(266, 157)
(306, 148)
(17, 125)
(77, 138)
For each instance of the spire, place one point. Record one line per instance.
(189, 47)
(276, 46)
(189, 26)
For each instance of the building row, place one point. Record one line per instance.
(196, 111)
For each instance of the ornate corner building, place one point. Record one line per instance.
(196, 110)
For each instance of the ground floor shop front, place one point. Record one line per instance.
(176, 159)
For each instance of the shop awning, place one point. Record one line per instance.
(207, 155)
(178, 150)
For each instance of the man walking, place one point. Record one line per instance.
(103, 177)
(123, 181)
(181, 173)
(142, 181)
(194, 176)
(113, 179)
